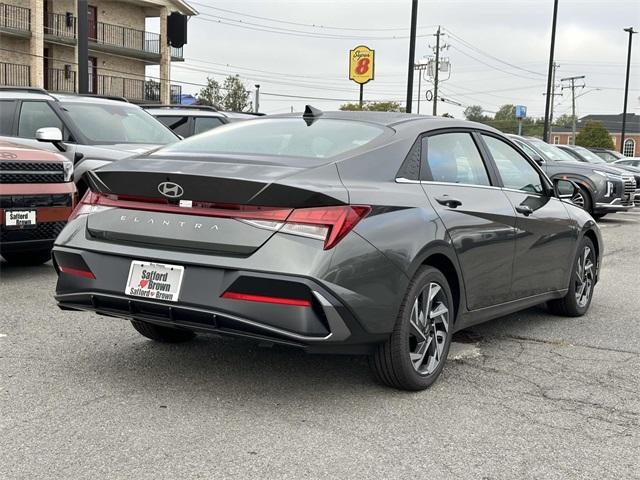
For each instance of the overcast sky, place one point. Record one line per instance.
(498, 50)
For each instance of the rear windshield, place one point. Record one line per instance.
(324, 138)
(589, 155)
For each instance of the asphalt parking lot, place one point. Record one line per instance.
(526, 396)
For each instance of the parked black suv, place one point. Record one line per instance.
(587, 156)
(89, 130)
(602, 188)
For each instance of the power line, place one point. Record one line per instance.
(285, 31)
(312, 25)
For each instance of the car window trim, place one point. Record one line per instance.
(547, 184)
(491, 174)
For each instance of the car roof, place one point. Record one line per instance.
(398, 120)
(32, 93)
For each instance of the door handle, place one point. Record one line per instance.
(448, 201)
(524, 210)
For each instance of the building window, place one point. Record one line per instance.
(569, 139)
(613, 139)
(556, 140)
(629, 147)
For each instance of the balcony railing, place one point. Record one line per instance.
(60, 25)
(15, 18)
(133, 89)
(15, 75)
(61, 80)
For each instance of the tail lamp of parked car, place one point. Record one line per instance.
(329, 224)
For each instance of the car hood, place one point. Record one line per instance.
(590, 167)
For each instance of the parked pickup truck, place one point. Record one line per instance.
(37, 195)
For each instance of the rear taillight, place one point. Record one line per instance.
(247, 297)
(329, 224)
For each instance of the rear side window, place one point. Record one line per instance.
(454, 158)
(35, 115)
(206, 123)
(7, 109)
(179, 124)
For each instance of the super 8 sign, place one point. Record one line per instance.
(361, 64)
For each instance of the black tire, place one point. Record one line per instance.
(570, 305)
(582, 199)
(162, 334)
(598, 216)
(29, 258)
(392, 362)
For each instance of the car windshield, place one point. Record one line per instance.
(322, 138)
(552, 152)
(589, 155)
(109, 123)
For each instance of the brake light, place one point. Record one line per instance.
(295, 302)
(329, 224)
(77, 272)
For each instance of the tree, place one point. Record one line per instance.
(210, 95)
(506, 112)
(475, 113)
(351, 107)
(373, 107)
(237, 96)
(593, 134)
(564, 121)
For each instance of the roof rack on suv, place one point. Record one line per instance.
(191, 107)
(106, 97)
(24, 89)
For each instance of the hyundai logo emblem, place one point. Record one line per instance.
(170, 189)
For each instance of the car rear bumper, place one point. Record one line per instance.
(327, 325)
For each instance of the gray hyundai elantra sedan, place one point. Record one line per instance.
(336, 232)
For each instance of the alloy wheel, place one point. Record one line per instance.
(584, 277)
(429, 326)
(578, 199)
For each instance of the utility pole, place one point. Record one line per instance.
(553, 97)
(631, 31)
(256, 103)
(435, 73)
(573, 87)
(547, 108)
(420, 67)
(83, 47)
(412, 54)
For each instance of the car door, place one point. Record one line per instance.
(477, 214)
(545, 234)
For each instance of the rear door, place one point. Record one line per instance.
(545, 237)
(477, 214)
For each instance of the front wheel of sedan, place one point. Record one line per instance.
(583, 278)
(414, 355)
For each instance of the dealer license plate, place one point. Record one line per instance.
(16, 219)
(156, 281)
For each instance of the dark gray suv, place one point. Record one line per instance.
(335, 232)
(602, 189)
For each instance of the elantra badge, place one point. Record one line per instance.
(170, 189)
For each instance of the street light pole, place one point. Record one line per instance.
(412, 54)
(631, 31)
(545, 134)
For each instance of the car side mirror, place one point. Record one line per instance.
(565, 190)
(51, 135)
(538, 160)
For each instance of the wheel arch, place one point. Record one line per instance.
(443, 258)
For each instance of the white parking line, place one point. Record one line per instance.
(3, 335)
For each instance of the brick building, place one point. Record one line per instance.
(38, 47)
(613, 123)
